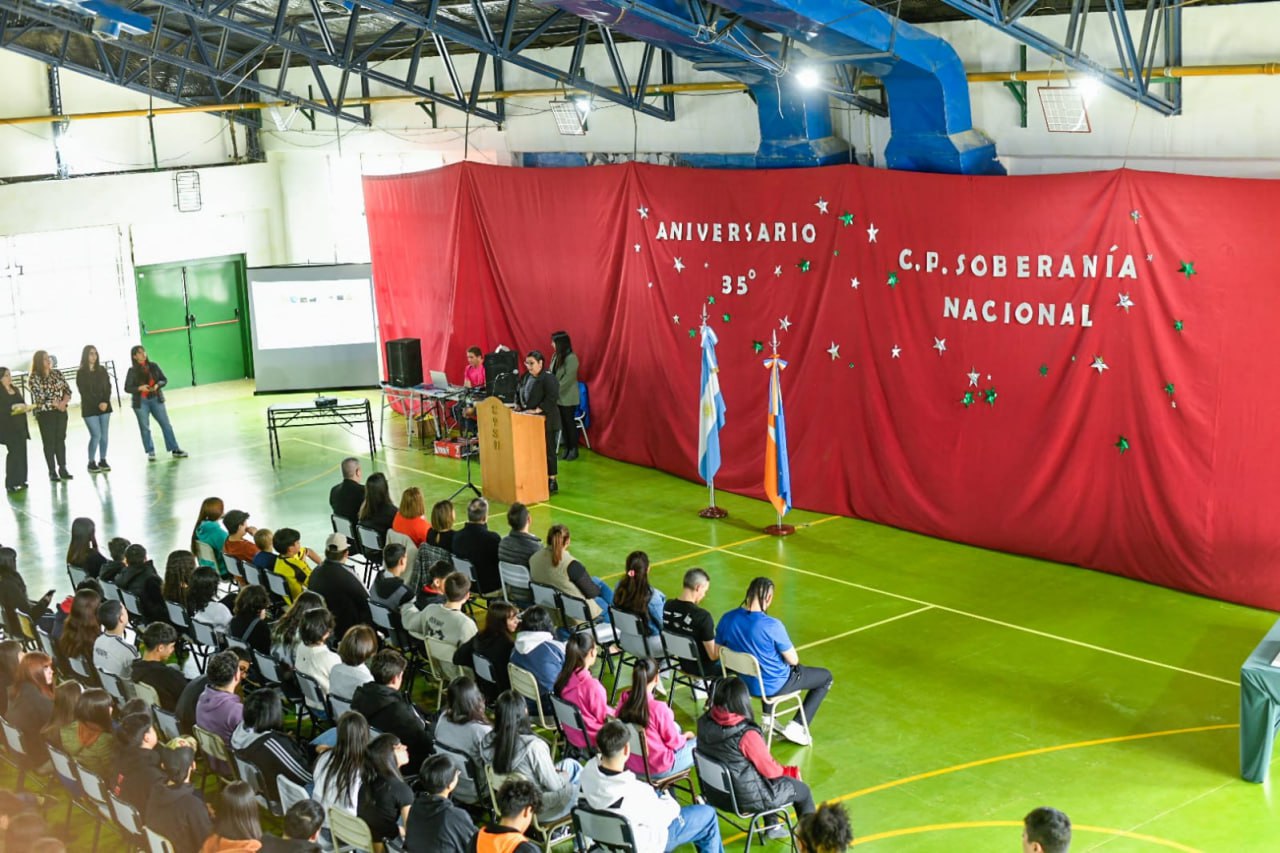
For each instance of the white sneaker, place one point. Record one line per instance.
(796, 733)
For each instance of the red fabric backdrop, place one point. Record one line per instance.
(625, 258)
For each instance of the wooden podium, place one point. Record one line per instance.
(513, 453)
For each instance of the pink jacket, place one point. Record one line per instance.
(663, 738)
(588, 694)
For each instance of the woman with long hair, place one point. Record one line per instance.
(83, 551)
(31, 700)
(95, 406)
(90, 738)
(209, 529)
(81, 628)
(249, 620)
(14, 433)
(65, 698)
(377, 511)
(564, 366)
(409, 520)
(202, 599)
(494, 642)
(340, 771)
(512, 748)
(442, 518)
(284, 633)
(50, 395)
(385, 797)
(460, 734)
(13, 594)
(178, 570)
(577, 686)
(728, 733)
(670, 750)
(555, 566)
(144, 383)
(237, 824)
(636, 596)
(539, 394)
(175, 810)
(260, 739)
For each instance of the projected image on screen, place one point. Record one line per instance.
(300, 314)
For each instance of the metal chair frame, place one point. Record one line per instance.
(494, 780)
(717, 784)
(515, 576)
(606, 830)
(682, 648)
(746, 665)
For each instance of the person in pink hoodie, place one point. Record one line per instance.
(670, 750)
(577, 686)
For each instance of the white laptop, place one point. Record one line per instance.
(438, 380)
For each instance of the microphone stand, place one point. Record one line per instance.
(470, 449)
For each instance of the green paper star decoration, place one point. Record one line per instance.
(711, 300)
(804, 265)
(757, 346)
(846, 219)
(693, 333)
(1188, 268)
(892, 280)
(836, 253)
(968, 399)
(1044, 370)
(1178, 325)
(1122, 444)
(724, 317)
(1168, 388)
(990, 396)
(851, 364)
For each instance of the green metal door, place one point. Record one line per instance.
(162, 313)
(217, 330)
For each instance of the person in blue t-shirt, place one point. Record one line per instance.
(750, 629)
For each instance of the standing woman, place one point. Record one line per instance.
(50, 395)
(144, 383)
(564, 366)
(539, 394)
(95, 405)
(14, 433)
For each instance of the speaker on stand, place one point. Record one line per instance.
(501, 373)
(404, 362)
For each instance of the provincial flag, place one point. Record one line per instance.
(710, 409)
(777, 467)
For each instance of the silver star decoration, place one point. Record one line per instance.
(853, 282)
(1150, 258)
(834, 350)
(940, 344)
(785, 323)
(1099, 365)
(675, 318)
(872, 232)
(896, 351)
(651, 284)
(637, 247)
(679, 265)
(1135, 216)
(777, 270)
(1125, 302)
(821, 205)
(973, 377)
(643, 211)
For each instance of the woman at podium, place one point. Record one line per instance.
(539, 394)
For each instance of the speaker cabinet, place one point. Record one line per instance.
(501, 374)
(404, 362)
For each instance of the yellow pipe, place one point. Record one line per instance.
(1257, 68)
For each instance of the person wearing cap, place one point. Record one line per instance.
(237, 523)
(343, 594)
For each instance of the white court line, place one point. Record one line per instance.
(865, 627)
(855, 585)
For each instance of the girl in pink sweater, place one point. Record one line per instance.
(670, 750)
(577, 686)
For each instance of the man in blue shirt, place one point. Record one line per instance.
(750, 629)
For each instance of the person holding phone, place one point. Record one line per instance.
(14, 433)
(95, 406)
(50, 395)
(144, 383)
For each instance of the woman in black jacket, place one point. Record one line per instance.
(14, 433)
(260, 740)
(13, 595)
(83, 551)
(174, 809)
(95, 406)
(539, 394)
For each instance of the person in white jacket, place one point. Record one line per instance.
(312, 656)
(658, 821)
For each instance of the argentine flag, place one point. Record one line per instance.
(777, 466)
(710, 409)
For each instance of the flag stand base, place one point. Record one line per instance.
(780, 529)
(714, 512)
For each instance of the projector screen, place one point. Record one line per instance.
(314, 328)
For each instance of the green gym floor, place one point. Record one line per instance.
(970, 686)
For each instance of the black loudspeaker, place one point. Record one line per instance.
(500, 374)
(404, 362)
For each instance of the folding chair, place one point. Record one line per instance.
(569, 719)
(577, 617)
(46, 643)
(479, 597)
(207, 642)
(271, 676)
(146, 693)
(523, 683)
(604, 830)
(82, 672)
(338, 705)
(484, 669)
(110, 592)
(128, 821)
(77, 575)
(166, 722)
(716, 783)
(640, 746)
(748, 667)
(633, 639)
(549, 597)
(253, 776)
(277, 586)
(494, 780)
(206, 554)
(16, 752)
(349, 832)
(133, 605)
(371, 544)
(683, 649)
(410, 554)
(96, 793)
(30, 641)
(64, 770)
(252, 574)
(515, 583)
(214, 749)
(314, 698)
(156, 843)
(290, 792)
(232, 567)
(438, 652)
(114, 685)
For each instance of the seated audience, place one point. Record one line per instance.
(377, 512)
(389, 587)
(90, 737)
(177, 579)
(249, 619)
(1046, 830)
(81, 630)
(555, 566)
(432, 590)
(388, 709)
(513, 749)
(827, 831)
(239, 541)
(65, 698)
(409, 520)
(210, 530)
(346, 497)
(260, 740)
(435, 823)
(343, 593)
(636, 596)
(519, 545)
(478, 545)
(141, 578)
(265, 559)
(294, 561)
(385, 797)
(518, 801)
(312, 656)
(83, 551)
(445, 622)
(750, 629)
(494, 642)
(284, 633)
(13, 595)
(302, 824)
(537, 649)
(237, 823)
(659, 822)
(31, 701)
(354, 651)
(728, 734)
(192, 693)
(159, 642)
(219, 710)
(576, 685)
(10, 655)
(460, 733)
(116, 548)
(174, 809)
(203, 603)
(137, 762)
(683, 615)
(340, 771)
(111, 652)
(438, 545)
(670, 750)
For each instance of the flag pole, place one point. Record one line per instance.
(778, 529)
(711, 511)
